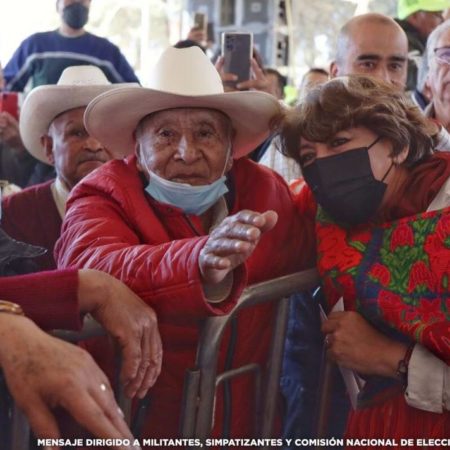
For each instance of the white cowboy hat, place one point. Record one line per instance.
(182, 78)
(76, 87)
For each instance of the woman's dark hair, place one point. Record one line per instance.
(354, 101)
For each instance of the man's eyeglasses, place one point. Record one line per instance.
(442, 55)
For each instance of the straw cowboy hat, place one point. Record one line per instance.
(182, 78)
(76, 87)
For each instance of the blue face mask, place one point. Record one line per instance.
(191, 199)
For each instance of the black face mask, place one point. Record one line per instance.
(76, 15)
(344, 185)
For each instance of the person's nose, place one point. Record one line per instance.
(322, 150)
(93, 145)
(382, 73)
(187, 150)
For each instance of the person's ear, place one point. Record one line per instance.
(334, 70)
(137, 152)
(426, 91)
(415, 19)
(229, 164)
(400, 158)
(47, 143)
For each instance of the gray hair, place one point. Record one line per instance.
(433, 39)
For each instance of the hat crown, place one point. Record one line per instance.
(170, 74)
(82, 76)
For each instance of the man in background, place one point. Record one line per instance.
(52, 129)
(372, 44)
(418, 19)
(438, 59)
(42, 57)
(16, 164)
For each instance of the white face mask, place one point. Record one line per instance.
(191, 199)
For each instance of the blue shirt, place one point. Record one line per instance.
(43, 56)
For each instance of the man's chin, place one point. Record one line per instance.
(87, 167)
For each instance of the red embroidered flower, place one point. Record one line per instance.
(433, 244)
(443, 227)
(363, 236)
(438, 252)
(391, 306)
(381, 273)
(430, 311)
(437, 337)
(333, 250)
(402, 235)
(420, 275)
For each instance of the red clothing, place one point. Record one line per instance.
(347, 262)
(31, 216)
(422, 185)
(48, 298)
(111, 224)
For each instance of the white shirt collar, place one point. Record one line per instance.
(60, 195)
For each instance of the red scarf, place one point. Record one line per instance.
(422, 185)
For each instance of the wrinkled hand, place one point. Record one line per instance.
(43, 372)
(357, 345)
(130, 321)
(232, 242)
(197, 35)
(9, 132)
(225, 76)
(257, 82)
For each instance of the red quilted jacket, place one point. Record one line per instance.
(114, 226)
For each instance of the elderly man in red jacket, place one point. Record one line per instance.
(188, 221)
(52, 129)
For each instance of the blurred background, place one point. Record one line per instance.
(290, 35)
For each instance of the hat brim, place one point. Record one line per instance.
(113, 116)
(44, 103)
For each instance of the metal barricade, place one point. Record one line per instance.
(20, 429)
(201, 382)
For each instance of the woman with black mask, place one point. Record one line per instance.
(382, 202)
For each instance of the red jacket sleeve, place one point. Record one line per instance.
(48, 298)
(97, 233)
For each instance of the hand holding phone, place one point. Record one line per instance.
(9, 123)
(200, 21)
(9, 102)
(237, 50)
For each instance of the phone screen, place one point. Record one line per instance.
(237, 52)
(9, 102)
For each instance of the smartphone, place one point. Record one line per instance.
(9, 102)
(210, 34)
(237, 50)
(200, 21)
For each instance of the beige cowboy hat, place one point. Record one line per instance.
(182, 78)
(76, 87)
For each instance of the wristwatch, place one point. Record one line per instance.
(11, 308)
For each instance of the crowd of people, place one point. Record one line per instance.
(153, 208)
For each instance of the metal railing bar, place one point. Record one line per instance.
(232, 373)
(274, 371)
(211, 336)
